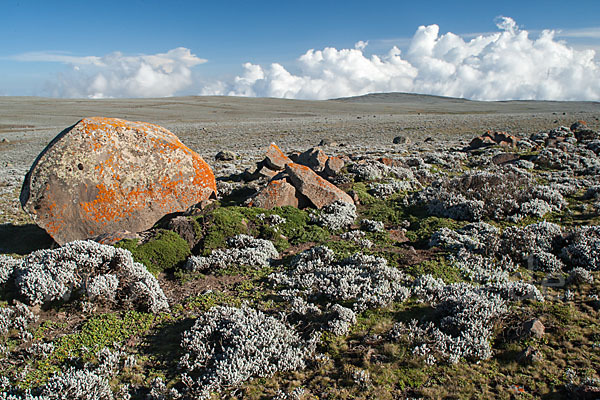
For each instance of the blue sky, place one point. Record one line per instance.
(90, 48)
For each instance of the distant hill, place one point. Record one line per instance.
(414, 102)
(400, 97)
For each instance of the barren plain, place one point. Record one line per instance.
(460, 273)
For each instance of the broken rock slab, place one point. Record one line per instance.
(277, 193)
(318, 190)
(261, 170)
(275, 158)
(106, 175)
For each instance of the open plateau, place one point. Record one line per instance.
(386, 246)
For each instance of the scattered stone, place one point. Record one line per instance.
(225, 155)
(504, 158)
(428, 140)
(586, 135)
(333, 166)
(390, 162)
(505, 139)
(492, 139)
(534, 327)
(327, 142)
(530, 355)
(401, 140)
(185, 228)
(265, 172)
(277, 193)
(261, 170)
(314, 158)
(105, 175)
(481, 141)
(578, 126)
(275, 159)
(316, 189)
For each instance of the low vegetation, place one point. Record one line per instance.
(453, 277)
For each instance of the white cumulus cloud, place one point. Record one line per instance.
(503, 65)
(118, 75)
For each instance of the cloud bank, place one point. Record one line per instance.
(117, 75)
(498, 66)
(503, 65)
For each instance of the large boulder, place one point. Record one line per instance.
(319, 191)
(105, 175)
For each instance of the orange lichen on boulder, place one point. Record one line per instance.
(277, 193)
(105, 175)
(318, 190)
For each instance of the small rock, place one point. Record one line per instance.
(314, 158)
(225, 155)
(482, 141)
(505, 139)
(316, 189)
(390, 162)
(428, 140)
(504, 158)
(333, 166)
(578, 126)
(553, 142)
(586, 135)
(492, 139)
(261, 170)
(184, 227)
(265, 172)
(530, 355)
(275, 159)
(327, 142)
(534, 327)
(400, 140)
(354, 196)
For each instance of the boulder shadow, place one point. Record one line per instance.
(23, 239)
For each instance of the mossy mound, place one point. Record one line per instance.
(166, 250)
(221, 223)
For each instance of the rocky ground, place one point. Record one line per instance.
(462, 272)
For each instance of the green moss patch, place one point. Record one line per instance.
(439, 268)
(225, 222)
(220, 224)
(165, 251)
